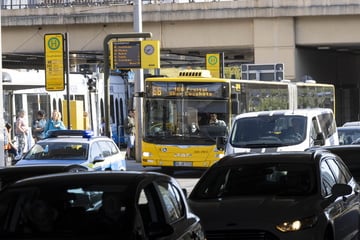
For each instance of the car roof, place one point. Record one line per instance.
(349, 154)
(75, 139)
(12, 174)
(73, 136)
(349, 128)
(294, 157)
(349, 147)
(351, 150)
(91, 178)
(295, 112)
(354, 123)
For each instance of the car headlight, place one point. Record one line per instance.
(296, 225)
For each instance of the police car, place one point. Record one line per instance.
(76, 147)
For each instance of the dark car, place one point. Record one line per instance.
(12, 174)
(286, 195)
(97, 205)
(350, 154)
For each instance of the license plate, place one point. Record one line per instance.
(183, 164)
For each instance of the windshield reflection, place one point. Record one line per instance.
(267, 131)
(179, 120)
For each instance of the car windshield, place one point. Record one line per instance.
(65, 212)
(58, 151)
(265, 130)
(279, 179)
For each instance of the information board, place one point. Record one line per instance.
(54, 62)
(126, 54)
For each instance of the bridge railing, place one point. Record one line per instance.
(22, 4)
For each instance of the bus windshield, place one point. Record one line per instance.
(184, 120)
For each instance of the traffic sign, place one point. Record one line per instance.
(54, 62)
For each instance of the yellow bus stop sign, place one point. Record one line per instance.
(213, 64)
(54, 62)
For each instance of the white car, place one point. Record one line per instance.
(76, 147)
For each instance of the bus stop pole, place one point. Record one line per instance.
(138, 87)
(107, 71)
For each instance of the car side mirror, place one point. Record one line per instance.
(337, 190)
(158, 230)
(341, 190)
(320, 139)
(98, 159)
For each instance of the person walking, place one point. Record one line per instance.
(39, 126)
(10, 150)
(130, 131)
(21, 132)
(55, 123)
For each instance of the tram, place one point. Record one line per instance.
(25, 90)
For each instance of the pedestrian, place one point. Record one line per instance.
(102, 127)
(55, 123)
(39, 126)
(21, 132)
(10, 149)
(130, 131)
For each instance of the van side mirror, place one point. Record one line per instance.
(320, 139)
(220, 143)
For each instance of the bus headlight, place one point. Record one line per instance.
(296, 225)
(147, 154)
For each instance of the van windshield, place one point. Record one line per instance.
(268, 131)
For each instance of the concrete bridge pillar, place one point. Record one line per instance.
(274, 42)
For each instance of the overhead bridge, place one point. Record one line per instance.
(317, 38)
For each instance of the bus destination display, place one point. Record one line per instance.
(201, 90)
(126, 54)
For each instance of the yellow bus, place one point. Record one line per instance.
(176, 130)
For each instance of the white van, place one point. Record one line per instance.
(274, 131)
